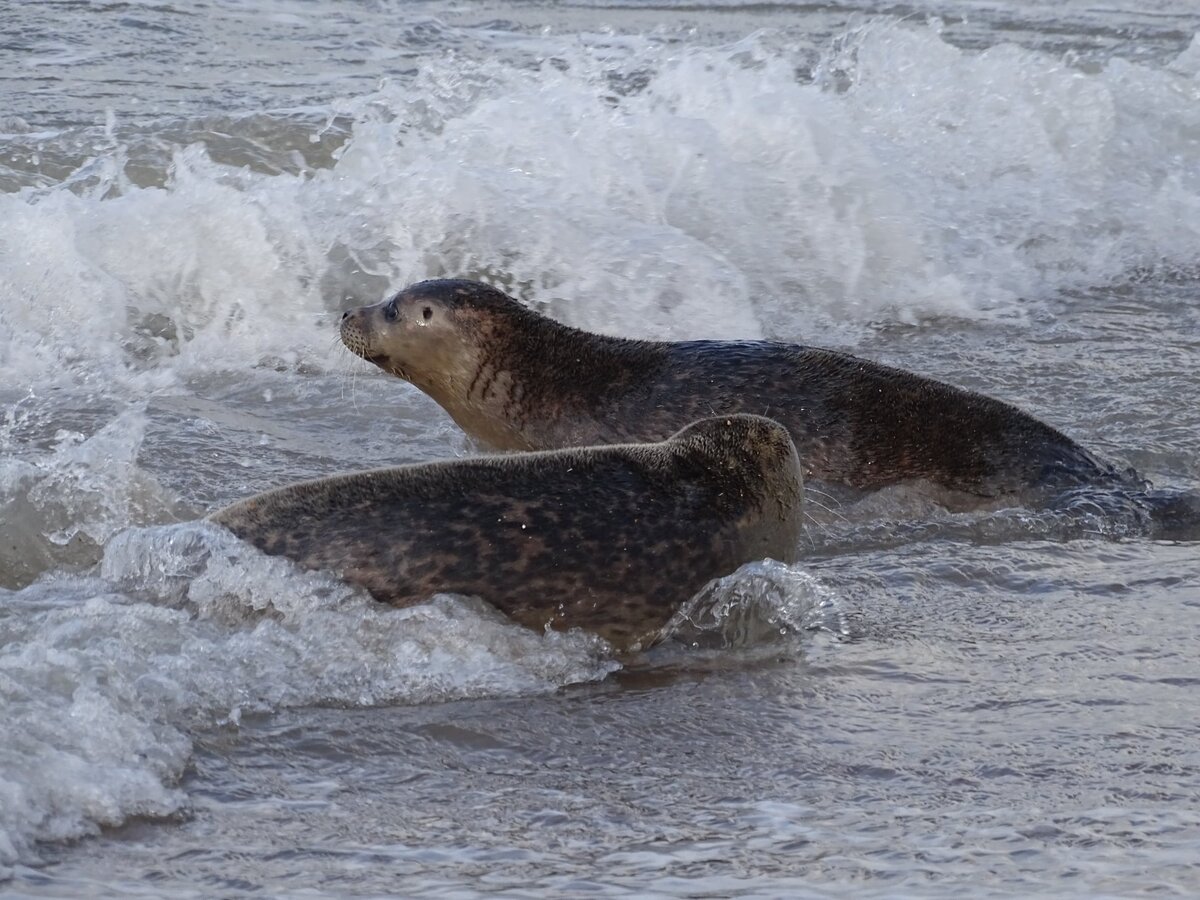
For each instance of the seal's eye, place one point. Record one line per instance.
(427, 313)
(389, 311)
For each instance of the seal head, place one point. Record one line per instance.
(444, 337)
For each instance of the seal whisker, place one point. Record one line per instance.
(350, 376)
(810, 492)
(827, 509)
(805, 531)
(811, 521)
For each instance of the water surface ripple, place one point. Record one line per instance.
(934, 702)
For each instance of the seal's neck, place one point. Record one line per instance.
(528, 382)
(576, 363)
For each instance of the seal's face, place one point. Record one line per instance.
(452, 340)
(416, 335)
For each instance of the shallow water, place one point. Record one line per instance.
(998, 701)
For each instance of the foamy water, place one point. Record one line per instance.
(1004, 197)
(186, 627)
(631, 184)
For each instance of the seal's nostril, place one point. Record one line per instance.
(345, 315)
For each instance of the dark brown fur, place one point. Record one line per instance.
(611, 539)
(517, 380)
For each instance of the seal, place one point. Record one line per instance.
(517, 380)
(612, 539)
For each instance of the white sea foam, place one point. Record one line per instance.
(1033, 175)
(714, 194)
(759, 604)
(104, 679)
(60, 504)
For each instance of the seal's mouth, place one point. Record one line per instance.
(385, 362)
(355, 340)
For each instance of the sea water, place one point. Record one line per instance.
(933, 702)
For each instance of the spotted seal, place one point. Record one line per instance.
(517, 380)
(612, 539)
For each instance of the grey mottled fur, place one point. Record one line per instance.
(611, 539)
(518, 380)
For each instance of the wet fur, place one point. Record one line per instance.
(529, 382)
(611, 539)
